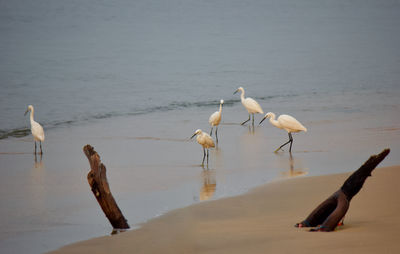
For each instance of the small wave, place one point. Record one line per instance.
(16, 133)
(175, 105)
(13, 153)
(384, 129)
(158, 139)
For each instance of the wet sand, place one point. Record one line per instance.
(262, 222)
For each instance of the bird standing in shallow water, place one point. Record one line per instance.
(36, 129)
(250, 104)
(205, 141)
(215, 119)
(287, 123)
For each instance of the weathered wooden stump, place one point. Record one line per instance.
(330, 212)
(97, 179)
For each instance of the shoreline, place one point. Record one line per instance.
(263, 220)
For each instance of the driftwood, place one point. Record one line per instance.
(97, 179)
(330, 212)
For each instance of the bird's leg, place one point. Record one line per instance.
(253, 120)
(251, 129)
(291, 142)
(279, 148)
(211, 130)
(204, 156)
(35, 147)
(216, 134)
(41, 152)
(207, 157)
(246, 120)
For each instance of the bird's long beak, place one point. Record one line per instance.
(193, 136)
(26, 112)
(262, 120)
(235, 92)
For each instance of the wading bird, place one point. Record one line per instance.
(250, 104)
(215, 119)
(287, 123)
(205, 141)
(36, 129)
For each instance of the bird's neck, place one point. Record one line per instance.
(242, 95)
(31, 116)
(220, 108)
(274, 122)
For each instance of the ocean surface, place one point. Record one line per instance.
(77, 61)
(136, 78)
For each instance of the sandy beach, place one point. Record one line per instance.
(262, 222)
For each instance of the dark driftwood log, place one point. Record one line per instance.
(330, 212)
(97, 179)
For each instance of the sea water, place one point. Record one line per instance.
(137, 78)
(78, 61)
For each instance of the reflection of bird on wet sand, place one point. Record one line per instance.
(209, 185)
(292, 171)
(38, 164)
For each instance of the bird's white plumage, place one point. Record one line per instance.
(204, 139)
(250, 104)
(290, 124)
(36, 128)
(215, 118)
(286, 122)
(37, 131)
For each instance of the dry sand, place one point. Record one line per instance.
(262, 222)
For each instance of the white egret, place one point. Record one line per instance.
(250, 104)
(287, 123)
(36, 129)
(215, 119)
(205, 141)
